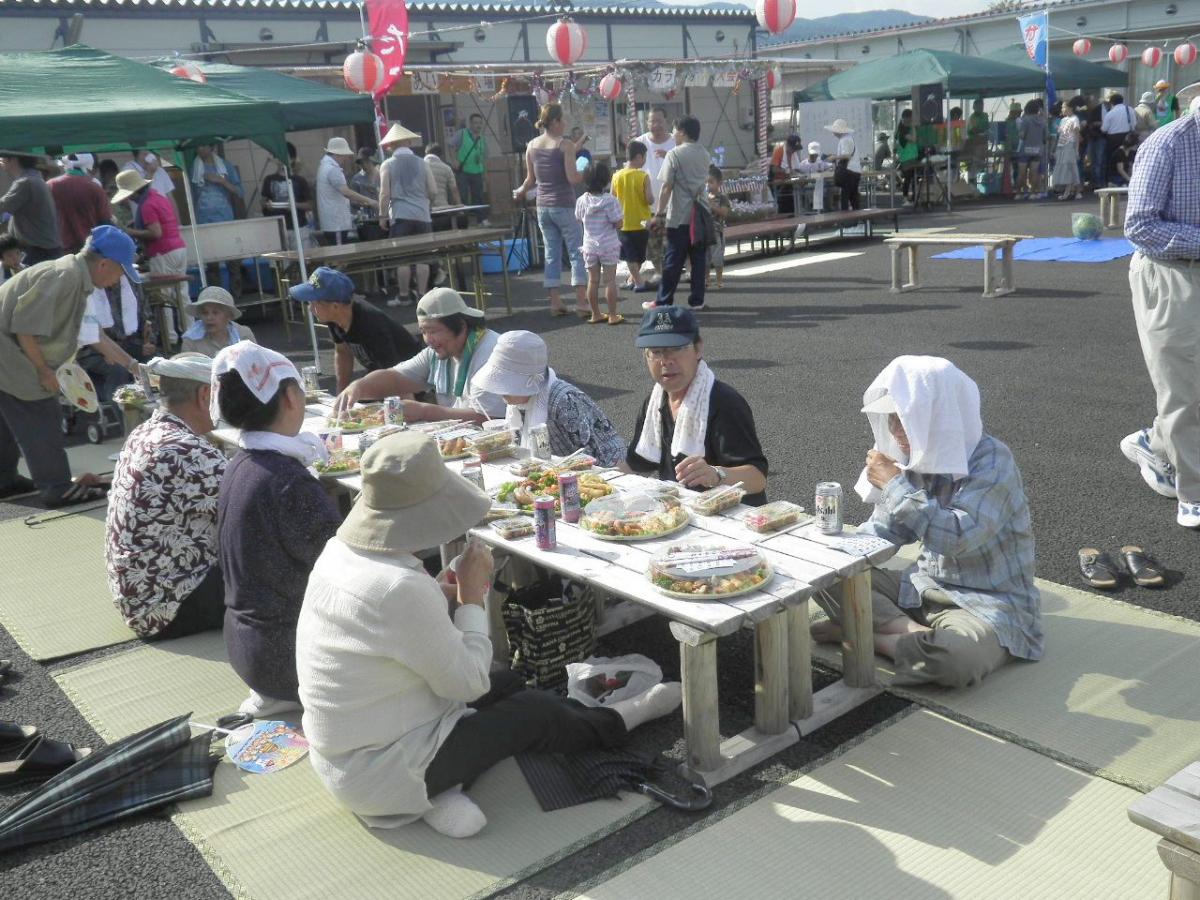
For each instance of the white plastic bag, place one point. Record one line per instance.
(602, 680)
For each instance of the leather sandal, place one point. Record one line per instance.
(1098, 569)
(1143, 568)
(14, 736)
(38, 759)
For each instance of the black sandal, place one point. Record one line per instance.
(38, 759)
(14, 736)
(1143, 568)
(1098, 569)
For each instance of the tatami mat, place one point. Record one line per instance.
(282, 832)
(925, 809)
(1114, 694)
(55, 599)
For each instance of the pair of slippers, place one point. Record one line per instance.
(28, 755)
(1101, 571)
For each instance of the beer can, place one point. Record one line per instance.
(827, 507)
(393, 411)
(543, 523)
(472, 470)
(568, 496)
(312, 379)
(540, 438)
(365, 442)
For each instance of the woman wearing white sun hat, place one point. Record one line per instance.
(334, 217)
(847, 171)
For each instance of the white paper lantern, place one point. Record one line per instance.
(190, 71)
(610, 86)
(363, 72)
(1185, 54)
(776, 15)
(1117, 54)
(1081, 47)
(566, 41)
(1151, 57)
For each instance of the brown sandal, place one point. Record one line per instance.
(1144, 569)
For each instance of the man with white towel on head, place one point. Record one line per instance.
(969, 603)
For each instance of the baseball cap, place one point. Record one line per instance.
(668, 326)
(112, 243)
(325, 285)
(442, 302)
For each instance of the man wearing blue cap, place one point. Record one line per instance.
(42, 325)
(692, 428)
(359, 330)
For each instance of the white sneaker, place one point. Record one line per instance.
(1157, 473)
(395, 301)
(649, 304)
(1188, 515)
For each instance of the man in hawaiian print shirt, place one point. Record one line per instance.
(161, 545)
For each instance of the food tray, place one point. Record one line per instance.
(716, 500)
(454, 443)
(357, 418)
(635, 517)
(513, 527)
(490, 442)
(707, 567)
(773, 517)
(544, 483)
(341, 464)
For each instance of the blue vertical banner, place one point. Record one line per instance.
(1035, 33)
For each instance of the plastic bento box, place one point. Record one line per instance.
(716, 500)
(633, 517)
(773, 516)
(716, 570)
(491, 444)
(513, 527)
(454, 443)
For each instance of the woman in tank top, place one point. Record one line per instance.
(550, 164)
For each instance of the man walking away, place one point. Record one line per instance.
(29, 202)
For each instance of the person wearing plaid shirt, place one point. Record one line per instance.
(969, 604)
(1163, 222)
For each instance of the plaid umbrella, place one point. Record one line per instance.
(144, 771)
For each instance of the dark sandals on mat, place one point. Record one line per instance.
(1143, 568)
(1098, 569)
(37, 759)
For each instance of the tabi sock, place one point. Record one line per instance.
(455, 815)
(261, 706)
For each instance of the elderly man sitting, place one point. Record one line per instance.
(161, 549)
(692, 428)
(457, 345)
(519, 371)
(969, 604)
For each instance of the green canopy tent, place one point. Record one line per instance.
(1066, 68)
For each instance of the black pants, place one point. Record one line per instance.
(848, 182)
(202, 610)
(33, 428)
(1111, 143)
(679, 249)
(785, 198)
(537, 721)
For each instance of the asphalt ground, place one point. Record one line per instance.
(1062, 380)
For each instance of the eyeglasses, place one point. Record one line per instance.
(661, 353)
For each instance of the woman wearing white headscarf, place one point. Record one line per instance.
(969, 604)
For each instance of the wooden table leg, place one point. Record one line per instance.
(701, 725)
(989, 262)
(771, 674)
(800, 692)
(858, 642)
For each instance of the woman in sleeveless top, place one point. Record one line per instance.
(550, 164)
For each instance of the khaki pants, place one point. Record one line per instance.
(958, 652)
(174, 262)
(1166, 307)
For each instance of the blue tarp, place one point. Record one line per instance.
(1056, 250)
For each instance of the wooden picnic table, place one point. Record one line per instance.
(990, 243)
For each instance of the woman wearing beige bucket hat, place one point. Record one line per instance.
(214, 328)
(386, 675)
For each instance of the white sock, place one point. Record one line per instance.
(454, 814)
(261, 706)
(658, 701)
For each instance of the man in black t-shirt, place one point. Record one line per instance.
(359, 330)
(274, 192)
(692, 428)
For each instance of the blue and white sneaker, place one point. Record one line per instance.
(1188, 515)
(1157, 473)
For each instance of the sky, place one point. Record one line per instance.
(935, 8)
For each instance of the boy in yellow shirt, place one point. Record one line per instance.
(631, 187)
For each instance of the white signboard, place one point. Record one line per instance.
(811, 119)
(661, 79)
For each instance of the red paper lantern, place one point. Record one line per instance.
(1081, 47)
(610, 86)
(363, 72)
(1185, 54)
(776, 15)
(190, 71)
(566, 41)
(1117, 54)
(774, 78)
(1151, 57)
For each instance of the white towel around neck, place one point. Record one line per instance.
(198, 170)
(691, 425)
(305, 447)
(535, 412)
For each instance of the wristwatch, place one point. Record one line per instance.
(721, 474)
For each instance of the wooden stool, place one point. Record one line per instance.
(1173, 810)
(160, 294)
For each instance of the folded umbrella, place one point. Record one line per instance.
(160, 765)
(559, 780)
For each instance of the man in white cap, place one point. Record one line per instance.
(812, 166)
(969, 604)
(79, 202)
(406, 191)
(334, 216)
(161, 543)
(457, 345)
(847, 171)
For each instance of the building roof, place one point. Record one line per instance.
(416, 8)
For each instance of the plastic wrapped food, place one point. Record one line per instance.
(341, 462)
(527, 467)
(715, 500)
(544, 483)
(491, 444)
(513, 527)
(131, 396)
(454, 443)
(773, 516)
(576, 462)
(709, 570)
(633, 517)
(358, 418)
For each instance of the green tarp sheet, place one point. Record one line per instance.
(1067, 69)
(79, 98)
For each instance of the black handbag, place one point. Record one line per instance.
(703, 227)
(549, 625)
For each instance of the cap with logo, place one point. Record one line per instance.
(442, 302)
(325, 285)
(668, 326)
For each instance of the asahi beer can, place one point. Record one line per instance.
(540, 437)
(827, 507)
(312, 379)
(543, 523)
(393, 411)
(472, 470)
(568, 496)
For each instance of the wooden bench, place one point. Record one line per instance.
(779, 228)
(848, 218)
(1110, 205)
(990, 243)
(1173, 811)
(774, 229)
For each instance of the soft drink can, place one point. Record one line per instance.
(827, 507)
(312, 379)
(540, 438)
(568, 496)
(472, 470)
(393, 411)
(331, 438)
(543, 523)
(365, 442)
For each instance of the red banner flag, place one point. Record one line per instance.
(389, 38)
